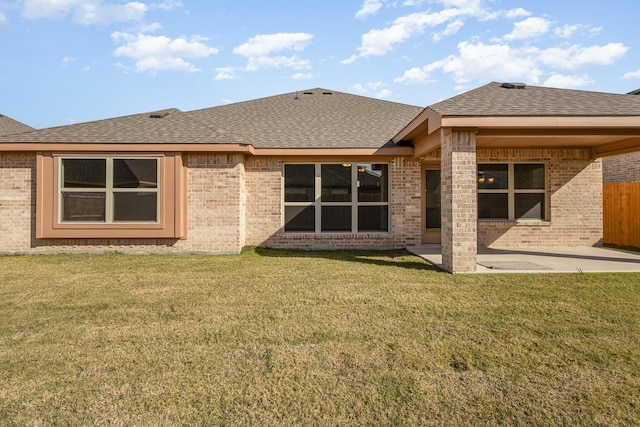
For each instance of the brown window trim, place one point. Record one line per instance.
(172, 211)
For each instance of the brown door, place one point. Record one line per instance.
(431, 206)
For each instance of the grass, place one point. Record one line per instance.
(303, 338)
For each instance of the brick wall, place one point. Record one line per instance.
(459, 201)
(575, 202)
(17, 206)
(264, 200)
(216, 209)
(233, 201)
(623, 168)
(216, 203)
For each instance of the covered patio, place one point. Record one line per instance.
(540, 148)
(543, 260)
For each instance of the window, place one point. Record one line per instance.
(514, 191)
(119, 196)
(336, 198)
(109, 190)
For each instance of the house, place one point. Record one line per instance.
(504, 165)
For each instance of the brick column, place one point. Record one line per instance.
(459, 201)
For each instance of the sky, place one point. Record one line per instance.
(70, 61)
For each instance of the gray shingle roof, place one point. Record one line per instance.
(316, 118)
(494, 100)
(174, 127)
(10, 126)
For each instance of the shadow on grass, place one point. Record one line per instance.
(387, 258)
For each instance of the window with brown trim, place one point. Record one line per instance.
(110, 196)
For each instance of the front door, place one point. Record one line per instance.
(431, 206)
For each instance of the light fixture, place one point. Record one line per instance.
(490, 179)
(346, 165)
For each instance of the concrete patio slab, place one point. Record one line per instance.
(543, 260)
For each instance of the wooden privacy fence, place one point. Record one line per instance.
(621, 211)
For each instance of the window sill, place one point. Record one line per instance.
(110, 231)
(519, 222)
(352, 236)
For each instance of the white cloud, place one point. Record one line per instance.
(68, 60)
(568, 31)
(421, 75)
(568, 82)
(452, 28)
(384, 94)
(369, 7)
(303, 76)
(413, 2)
(413, 75)
(225, 73)
(491, 62)
(571, 57)
(600, 55)
(86, 12)
(266, 44)
(380, 42)
(501, 62)
(260, 62)
(167, 4)
(632, 75)
(160, 53)
(517, 13)
(479, 61)
(373, 89)
(358, 88)
(3, 18)
(529, 28)
(260, 50)
(462, 4)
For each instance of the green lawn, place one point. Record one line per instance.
(297, 338)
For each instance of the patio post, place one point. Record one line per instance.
(459, 200)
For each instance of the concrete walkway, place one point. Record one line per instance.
(543, 260)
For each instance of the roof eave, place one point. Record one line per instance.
(428, 120)
(532, 122)
(125, 147)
